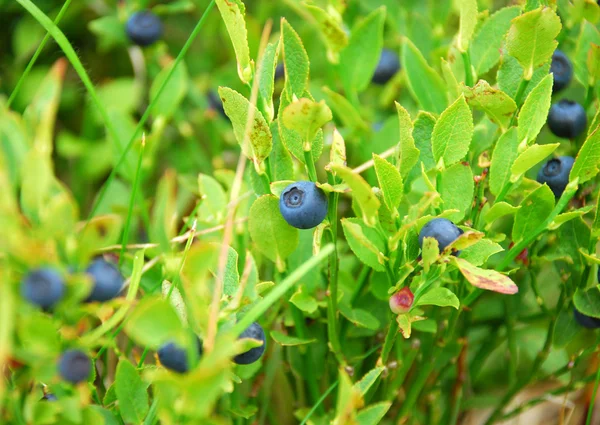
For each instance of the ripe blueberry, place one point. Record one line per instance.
(402, 301)
(74, 366)
(303, 205)
(43, 287)
(107, 280)
(442, 230)
(174, 357)
(562, 70)
(387, 66)
(586, 321)
(555, 173)
(144, 28)
(254, 331)
(567, 119)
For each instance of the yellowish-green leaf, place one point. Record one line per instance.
(330, 30)
(587, 163)
(408, 154)
(490, 280)
(390, 181)
(441, 297)
(468, 21)
(503, 158)
(479, 253)
(365, 242)
(361, 192)
(304, 301)
(530, 158)
(306, 117)
(497, 105)
(344, 110)
(588, 36)
(289, 341)
(456, 189)
(534, 112)
(373, 414)
(295, 60)
(337, 155)
(266, 78)
(404, 324)
(535, 208)
(232, 12)
(499, 209)
(452, 134)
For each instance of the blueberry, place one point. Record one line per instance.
(215, 103)
(555, 173)
(43, 287)
(74, 366)
(562, 70)
(586, 321)
(279, 71)
(174, 357)
(254, 331)
(442, 230)
(303, 205)
(107, 280)
(49, 397)
(144, 28)
(567, 119)
(388, 65)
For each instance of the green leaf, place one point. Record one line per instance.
(293, 141)
(534, 112)
(361, 193)
(529, 158)
(365, 242)
(450, 79)
(360, 317)
(425, 84)
(266, 78)
(330, 30)
(468, 21)
(589, 34)
(497, 105)
(360, 58)
(153, 322)
(367, 381)
(404, 324)
(566, 328)
(306, 117)
(531, 38)
(503, 158)
(510, 75)
(289, 341)
(593, 64)
(282, 166)
(270, 232)
(422, 134)
(488, 41)
(499, 209)
(588, 301)
(479, 253)
(348, 400)
(231, 275)
(430, 252)
(232, 12)
(344, 110)
(295, 60)
(452, 133)
(568, 216)
(131, 392)
(408, 154)
(442, 297)
(535, 208)
(456, 188)
(390, 181)
(596, 224)
(99, 232)
(490, 280)
(163, 221)
(587, 163)
(173, 93)
(39, 334)
(305, 302)
(213, 200)
(337, 155)
(260, 140)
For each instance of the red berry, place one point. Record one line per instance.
(402, 301)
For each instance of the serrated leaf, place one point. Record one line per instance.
(530, 158)
(593, 64)
(467, 23)
(531, 38)
(390, 181)
(164, 213)
(330, 31)
(422, 133)
(337, 155)
(534, 112)
(270, 232)
(360, 58)
(587, 163)
(361, 193)
(175, 299)
(503, 158)
(404, 324)
(588, 301)
(488, 41)
(497, 105)
(568, 216)
(456, 188)
(289, 341)
(442, 297)
(295, 60)
(131, 393)
(589, 34)
(425, 84)
(510, 75)
(260, 140)
(479, 253)
(499, 209)
(306, 117)
(153, 322)
(304, 301)
(266, 78)
(232, 12)
(452, 133)
(408, 154)
(535, 208)
(293, 141)
(231, 275)
(213, 200)
(367, 381)
(365, 242)
(344, 111)
(490, 280)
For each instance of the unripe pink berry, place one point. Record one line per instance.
(402, 301)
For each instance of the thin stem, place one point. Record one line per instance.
(310, 165)
(518, 98)
(388, 344)
(590, 412)
(332, 301)
(319, 403)
(589, 97)
(468, 69)
(151, 417)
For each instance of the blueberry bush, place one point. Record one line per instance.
(299, 212)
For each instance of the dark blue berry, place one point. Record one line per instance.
(106, 278)
(174, 357)
(567, 119)
(387, 67)
(442, 230)
(254, 331)
(144, 28)
(555, 173)
(586, 321)
(562, 70)
(74, 366)
(303, 205)
(49, 397)
(215, 103)
(279, 71)
(43, 287)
